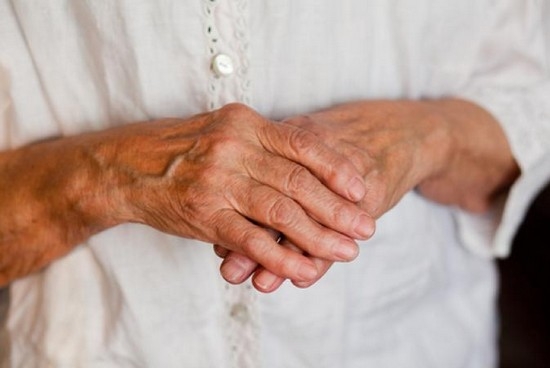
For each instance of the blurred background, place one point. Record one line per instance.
(525, 292)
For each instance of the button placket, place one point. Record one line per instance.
(227, 50)
(242, 325)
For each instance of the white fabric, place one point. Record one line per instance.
(132, 297)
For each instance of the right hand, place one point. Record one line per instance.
(226, 176)
(230, 174)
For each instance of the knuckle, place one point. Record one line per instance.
(221, 227)
(339, 213)
(285, 263)
(235, 105)
(281, 212)
(287, 268)
(224, 146)
(322, 243)
(298, 180)
(377, 200)
(251, 242)
(302, 141)
(225, 139)
(234, 110)
(358, 158)
(259, 249)
(216, 147)
(341, 166)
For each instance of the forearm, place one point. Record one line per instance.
(480, 164)
(57, 193)
(52, 197)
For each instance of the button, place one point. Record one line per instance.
(239, 312)
(222, 65)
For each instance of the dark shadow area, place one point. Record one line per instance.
(525, 289)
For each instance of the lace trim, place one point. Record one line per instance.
(240, 36)
(212, 37)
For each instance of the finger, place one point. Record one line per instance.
(274, 210)
(237, 267)
(319, 202)
(220, 251)
(305, 148)
(322, 266)
(267, 282)
(240, 235)
(327, 132)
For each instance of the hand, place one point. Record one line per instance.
(221, 177)
(452, 151)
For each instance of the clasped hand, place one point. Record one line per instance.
(451, 151)
(278, 200)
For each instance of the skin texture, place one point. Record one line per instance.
(451, 151)
(226, 177)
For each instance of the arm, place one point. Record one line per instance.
(219, 177)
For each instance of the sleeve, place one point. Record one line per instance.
(511, 80)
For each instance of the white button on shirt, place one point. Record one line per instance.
(419, 295)
(222, 65)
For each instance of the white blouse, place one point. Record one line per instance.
(422, 292)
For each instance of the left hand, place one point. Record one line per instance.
(452, 151)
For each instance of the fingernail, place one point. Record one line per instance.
(302, 284)
(347, 250)
(265, 280)
(307, 272)
(356, 189)
(232, 271)
(364, 226)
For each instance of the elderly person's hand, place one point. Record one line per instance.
(224, 177)
(452, 151)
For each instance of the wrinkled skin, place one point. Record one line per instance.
(452, 151)
(226, 177)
